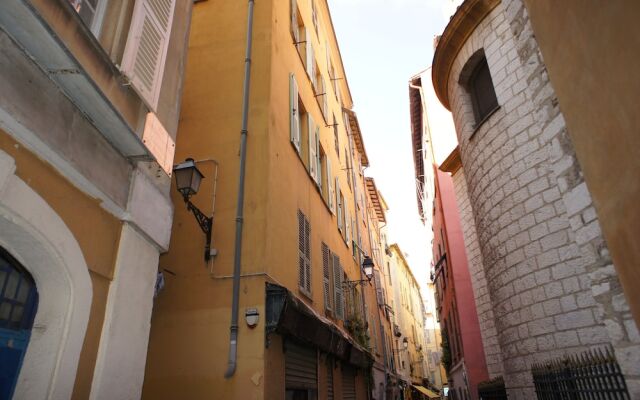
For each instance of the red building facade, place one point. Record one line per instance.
(455, 302)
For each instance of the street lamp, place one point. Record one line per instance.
(188, 179)
(367, 267)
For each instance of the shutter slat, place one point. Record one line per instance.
(338, 294)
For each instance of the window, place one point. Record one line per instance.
(314, 16)
(298, 32)
(481, 90)
(304, 254)
(91, 13)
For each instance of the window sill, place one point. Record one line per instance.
(483, 120)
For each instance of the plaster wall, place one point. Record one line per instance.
(549, 270)
(481, 291)
(590, 70)
(189, 337)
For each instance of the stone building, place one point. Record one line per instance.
(552, 283)
(89, 104)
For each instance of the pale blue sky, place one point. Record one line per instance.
(383, 44)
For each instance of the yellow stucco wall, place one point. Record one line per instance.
(96, 231)
(190, 326)
(587, 51)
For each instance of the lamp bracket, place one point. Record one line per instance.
(205, 223)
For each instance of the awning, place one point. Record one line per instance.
(289, 316)
(430, 394)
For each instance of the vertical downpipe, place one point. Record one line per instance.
(233, 340)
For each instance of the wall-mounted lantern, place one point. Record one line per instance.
(367, 267)
(188, 179)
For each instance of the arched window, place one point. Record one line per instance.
(476, 79)
(18, 304)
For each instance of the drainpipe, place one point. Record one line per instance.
(233, 340)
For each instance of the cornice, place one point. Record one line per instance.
(462, 24)
(453, 162)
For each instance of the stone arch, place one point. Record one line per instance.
(33, 233)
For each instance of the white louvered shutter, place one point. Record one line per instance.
(347, 220)
(313, 151)
(332, 195)
(146, 48)
(378, 283)
(294, 21)
(294, 112)
(326, 276)
(338, 294)
(310, 58)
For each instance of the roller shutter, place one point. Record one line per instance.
(301, 371)
(348, 383)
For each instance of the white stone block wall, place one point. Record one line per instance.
(481, 291)
(553, 286)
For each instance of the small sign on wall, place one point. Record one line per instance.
(159, 142)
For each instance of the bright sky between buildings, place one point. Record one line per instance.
(383, 44)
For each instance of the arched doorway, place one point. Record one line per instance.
(18, 305)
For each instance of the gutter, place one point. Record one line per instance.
(233, 337)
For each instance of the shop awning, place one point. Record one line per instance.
(290, 316)
(430, 394)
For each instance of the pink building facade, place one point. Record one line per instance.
(455, 301)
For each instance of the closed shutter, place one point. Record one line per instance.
(301, 371)
(329, 379)
(347, 220)
(294, 111)
(325, 105)
(348, 383)
(311, 64)
(326, 274)
(304, 253)
(294, 21)
(313, 151)
(307, 237)
(332, 195)
(339, 204)
(337, 287)
(378, 283)
(318, 160)
(146, 48)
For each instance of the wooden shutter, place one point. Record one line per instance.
(377, 281)
(294, 21)
(301, 251)
(348, 383)
(294, 112)
(146, 48)
(313, 151)
(318, 160)
(326, 276)
(307, 270)
(337, 287)
(330, 183)
(347, 220)
(301, 371)
(311, 70)
(339, 204)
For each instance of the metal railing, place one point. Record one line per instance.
(594, 374)
(492, 390)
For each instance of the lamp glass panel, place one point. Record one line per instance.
(196, 178)
(184, 177)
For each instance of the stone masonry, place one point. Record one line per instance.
(550, 280)
(478, 279)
